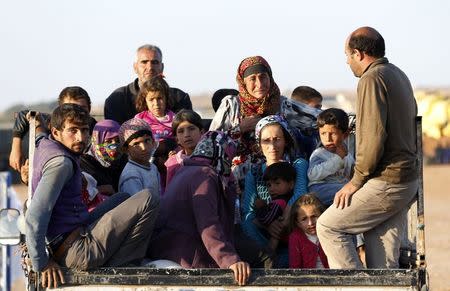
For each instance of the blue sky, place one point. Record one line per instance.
(48, 45)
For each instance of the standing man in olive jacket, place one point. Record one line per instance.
(120, 105)
(375, 201)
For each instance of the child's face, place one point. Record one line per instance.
(139, 149)
(156, 103)
(331, 137)
(278, 187)
(307, 216)
(188, 136)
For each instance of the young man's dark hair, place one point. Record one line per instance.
(282, 170)
(333, 116)
(75, 93)
(371, 43)
(69, 112)
(305, 94)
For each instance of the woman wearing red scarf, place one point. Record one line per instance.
(259, 96)
(258, 93)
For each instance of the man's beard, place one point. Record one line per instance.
(80, 145)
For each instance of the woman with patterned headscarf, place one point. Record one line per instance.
(196, 222)
(277, 143)
(103, 160)
(259, 96)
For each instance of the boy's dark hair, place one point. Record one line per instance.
(371, 43)
(69, 112)
(186, 115)
(281, 170)
(75, 93)
(220, 94)
(305, 94)
(155, 84)
(333, 116)
(306, 199)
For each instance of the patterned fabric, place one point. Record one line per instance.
(251, 106)
(104, 152)
(290, 153)
(219, 148)
(131, 127)
(300, 116)
(267, 213)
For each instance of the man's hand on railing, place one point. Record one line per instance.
(241, 272)
(52, 275)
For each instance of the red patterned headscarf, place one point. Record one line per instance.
(251, 106)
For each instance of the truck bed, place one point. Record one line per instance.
(217, 279)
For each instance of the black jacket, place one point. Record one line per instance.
(103, 175)
(120, 105)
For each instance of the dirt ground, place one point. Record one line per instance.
(437, 234)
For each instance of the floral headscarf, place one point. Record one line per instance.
(293, 151)
(104, 152)
(251, 106)
(219, 148)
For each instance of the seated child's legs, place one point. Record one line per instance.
(255, 233)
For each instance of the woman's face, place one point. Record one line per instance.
(272, 142)
(258, 84)
(156, 103)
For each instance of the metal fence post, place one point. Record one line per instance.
(5, 181)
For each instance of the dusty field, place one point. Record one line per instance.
(437, 231)
(437, 218)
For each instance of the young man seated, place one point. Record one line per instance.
(58, 217)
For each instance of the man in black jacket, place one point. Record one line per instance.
(120, 105)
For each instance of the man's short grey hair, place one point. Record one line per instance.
(149, 47)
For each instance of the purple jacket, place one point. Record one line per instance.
(196, 222)
(69, 211)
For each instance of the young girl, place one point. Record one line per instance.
(304, 247)
(152, 102)
(188, 128)
(137, 141)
